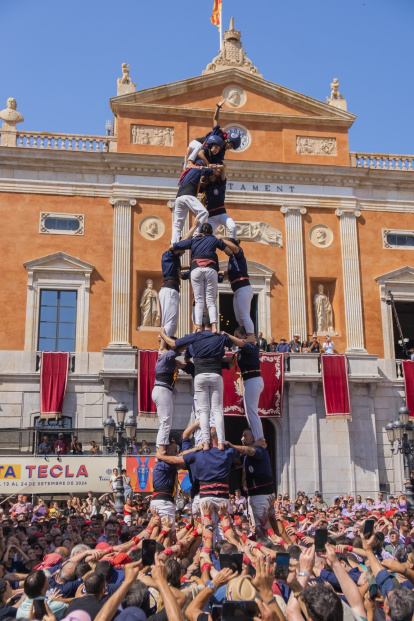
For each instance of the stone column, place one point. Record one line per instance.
(121, 272)
(184, 317)
(295, 270)
(352, 282)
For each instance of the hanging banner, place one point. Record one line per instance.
(140, 469)
(272, 367)
(335, 384)
(73, 475)
(408, 370)
(54, 370)
(146, 378)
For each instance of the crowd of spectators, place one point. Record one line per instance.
(62, 447)
(84, 561)
(296, 346)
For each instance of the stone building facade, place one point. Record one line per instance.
(310, 212)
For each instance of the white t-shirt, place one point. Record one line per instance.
(328, 347)
(113, 481)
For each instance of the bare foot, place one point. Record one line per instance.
(214, 328)
(206, 446)
(220, 446)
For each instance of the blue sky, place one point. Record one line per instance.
(61, 59)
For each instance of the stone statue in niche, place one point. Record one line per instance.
(150, 306)
(323, 311)
(10, 115)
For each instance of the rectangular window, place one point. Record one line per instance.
(57, 320)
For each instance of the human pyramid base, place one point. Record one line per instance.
(211, 459)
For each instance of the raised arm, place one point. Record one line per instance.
(348, 586)
(167, 339)
(230, 247)
(243, 450)
(172, 460)
(191, 230)
(239, 342)
(219, 105)
(190, 430)
(109, 609)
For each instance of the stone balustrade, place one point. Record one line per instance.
(381, 161)
(63, 142)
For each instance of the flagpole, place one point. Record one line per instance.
(220, 29)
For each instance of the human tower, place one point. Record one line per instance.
(204, 349)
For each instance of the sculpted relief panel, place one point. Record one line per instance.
(148, 134)
(306, 145)
(255, 231)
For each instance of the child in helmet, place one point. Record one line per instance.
(206, 150)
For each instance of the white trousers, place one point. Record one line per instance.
(253, 388)
(170, 304)
(258, 507)
(182, 205)
(196, 146)
(208, 388)
(204, 281)
(163, 399)
(165, 508)
(242, 300)
(225, 219)
(197, 433)
(216, 502)
(195, 504)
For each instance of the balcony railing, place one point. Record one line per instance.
(65, 142)
(71, 362)
(382, 161)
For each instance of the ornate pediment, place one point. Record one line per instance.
(401, 276)
(232, 54)
(59, 262)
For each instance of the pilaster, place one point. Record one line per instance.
(121, 271)
(352, 280)
(295, 270)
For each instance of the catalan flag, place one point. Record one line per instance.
(216, 15)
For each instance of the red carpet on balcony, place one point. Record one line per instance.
(54, 371)
(408, 369)
(146, 378)
(336, 386)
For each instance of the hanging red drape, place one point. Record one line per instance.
(54, 371)
(408, 369)
(335, 384)
(146, 378)
(272, 366)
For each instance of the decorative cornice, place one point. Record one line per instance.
(167, 194)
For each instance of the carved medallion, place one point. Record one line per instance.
(234, 96)
(151, 227)
(321, 235)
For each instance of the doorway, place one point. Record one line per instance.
(234, 427)
(227, 318)
(405, 312)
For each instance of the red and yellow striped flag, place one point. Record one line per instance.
(216, 15)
